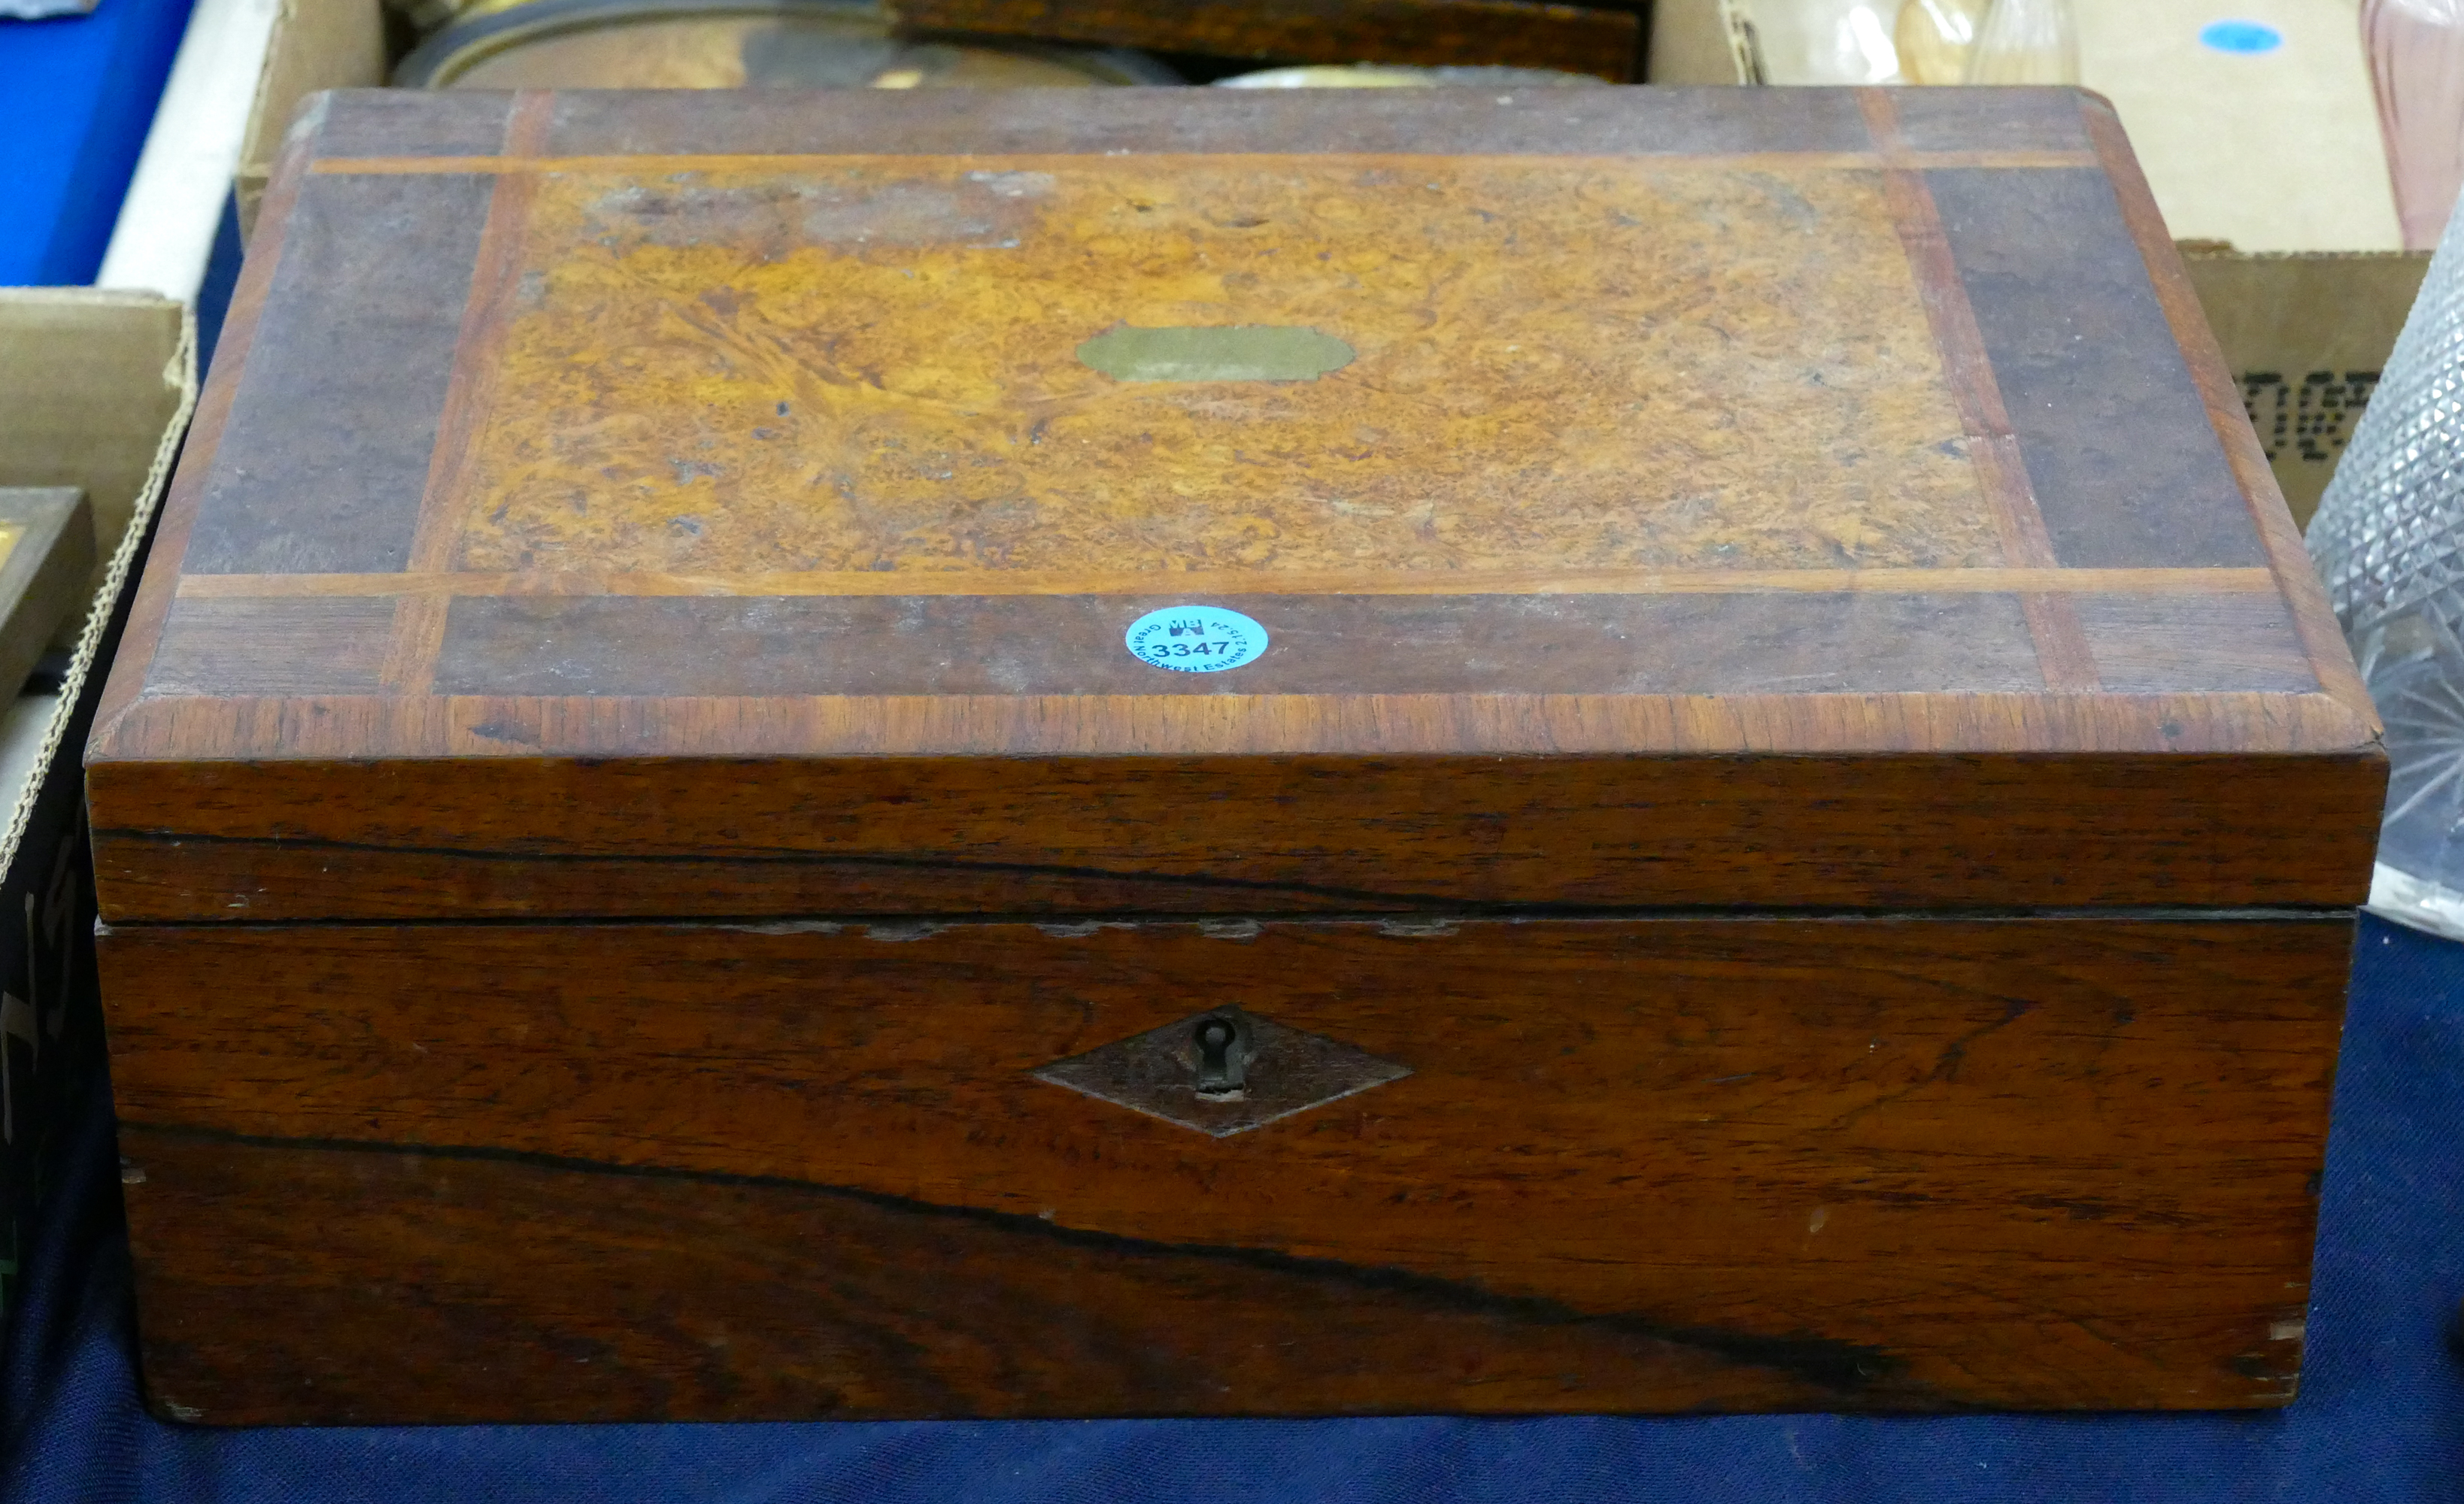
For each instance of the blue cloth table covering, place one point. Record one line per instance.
(2381, 1417)
(76, 95)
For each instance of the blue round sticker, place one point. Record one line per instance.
(2241, 36)
(1195, 640)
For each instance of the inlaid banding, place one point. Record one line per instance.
(1339, 645)
(522, 162)
(2062, 651)
(1272, 582)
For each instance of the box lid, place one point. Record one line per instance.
(748, 504)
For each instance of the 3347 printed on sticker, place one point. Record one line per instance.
(1195, 640)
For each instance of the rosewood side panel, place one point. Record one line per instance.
(661, 1172)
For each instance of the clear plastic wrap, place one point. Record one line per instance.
(1912, 41)
(1935, 39)
(1823, 42)
(2026, 41)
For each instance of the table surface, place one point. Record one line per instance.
(2381, 1417)
(76, 95)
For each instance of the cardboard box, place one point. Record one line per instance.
(2271, 174)
(178, 231)
(2307, 332)
(317, 44)
(94, 392)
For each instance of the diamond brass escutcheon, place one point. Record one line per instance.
(1281, 1071)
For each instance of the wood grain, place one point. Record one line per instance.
(2062, 653)
(616, 1297)
(1214, 121)
(522, 835)
(471, 397)
(1639, 1165)
(2146, 645)
(2136, 582)
(157, 583)
(750, 371)
(647, 163)
(1816, 991)
(2330, 657)
(415, 630)
(684, 647)
(1479, 567)
(1698, 643)
(1606, 44)
(366, 453)
(2117, 369)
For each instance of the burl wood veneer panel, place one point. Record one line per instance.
(806, 1170)
(873, 366)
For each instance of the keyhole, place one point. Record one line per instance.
(1222, 1065)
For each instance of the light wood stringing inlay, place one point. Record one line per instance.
(2062, 653)
(1229, 582)
(731, 162)
(419, 626)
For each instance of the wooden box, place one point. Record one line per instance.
(1770, 821)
